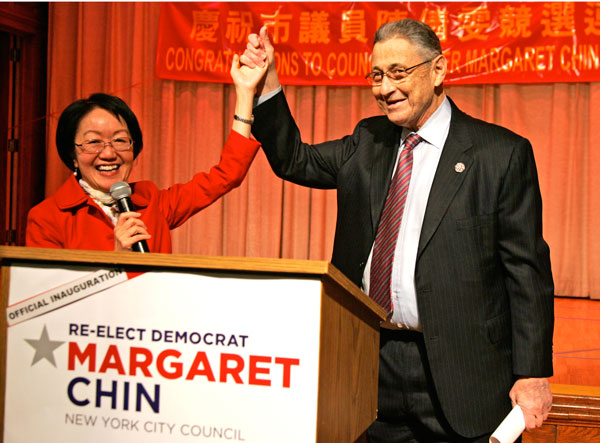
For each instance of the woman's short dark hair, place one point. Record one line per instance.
(72, 115)
(415, 31)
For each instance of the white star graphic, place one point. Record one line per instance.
(44, 347)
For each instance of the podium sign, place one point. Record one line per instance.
(108, 353)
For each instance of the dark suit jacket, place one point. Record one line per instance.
(483, 280)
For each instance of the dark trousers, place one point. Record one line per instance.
(408, 407)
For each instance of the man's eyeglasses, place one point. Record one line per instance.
(94, 146)
(396, 75)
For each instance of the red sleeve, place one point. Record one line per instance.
(181, 201)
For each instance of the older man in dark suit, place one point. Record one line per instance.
(440, 221)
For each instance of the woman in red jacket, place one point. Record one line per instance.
(99, 138)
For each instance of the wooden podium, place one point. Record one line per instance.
(101, 346)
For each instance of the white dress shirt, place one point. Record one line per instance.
(426, 156)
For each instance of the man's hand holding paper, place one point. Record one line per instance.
(534, 397)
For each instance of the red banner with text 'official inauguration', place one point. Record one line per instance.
(330, 43)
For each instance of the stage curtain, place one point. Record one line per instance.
(111, 47)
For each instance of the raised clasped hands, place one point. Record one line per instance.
(248, 75)
(259, 49)
(534, 397)
(260, 53)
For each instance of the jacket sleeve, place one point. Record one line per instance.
(526, 260)
(181, 201)
(315, 166)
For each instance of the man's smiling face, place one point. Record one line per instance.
(411, 101)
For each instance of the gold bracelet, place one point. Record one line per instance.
(243, 120)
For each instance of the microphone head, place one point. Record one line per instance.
(120, 190)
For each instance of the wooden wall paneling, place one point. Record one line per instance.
(27, 23)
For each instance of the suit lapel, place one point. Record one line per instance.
(447, 180)
(384, 158)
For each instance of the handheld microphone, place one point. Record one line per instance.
(121, 192)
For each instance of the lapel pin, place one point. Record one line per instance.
(459, 167)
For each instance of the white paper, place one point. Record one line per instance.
(511, 427)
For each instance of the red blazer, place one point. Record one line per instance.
(70, 219)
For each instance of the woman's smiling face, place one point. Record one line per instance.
(100, 170)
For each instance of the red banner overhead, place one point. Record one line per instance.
(319, 43)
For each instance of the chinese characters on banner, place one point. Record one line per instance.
(319, 43)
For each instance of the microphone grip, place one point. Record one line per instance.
(125, 205)
(140, 246)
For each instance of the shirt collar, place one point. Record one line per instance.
(436, 127)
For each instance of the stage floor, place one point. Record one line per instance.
(576, 342)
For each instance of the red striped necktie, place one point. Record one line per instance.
(389, 225)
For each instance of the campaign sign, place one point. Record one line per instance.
(101, 355)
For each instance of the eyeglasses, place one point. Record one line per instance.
(94, 146)
(396, 75)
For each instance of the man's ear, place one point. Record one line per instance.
(440, 67)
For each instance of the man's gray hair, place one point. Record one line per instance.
(415, 31)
